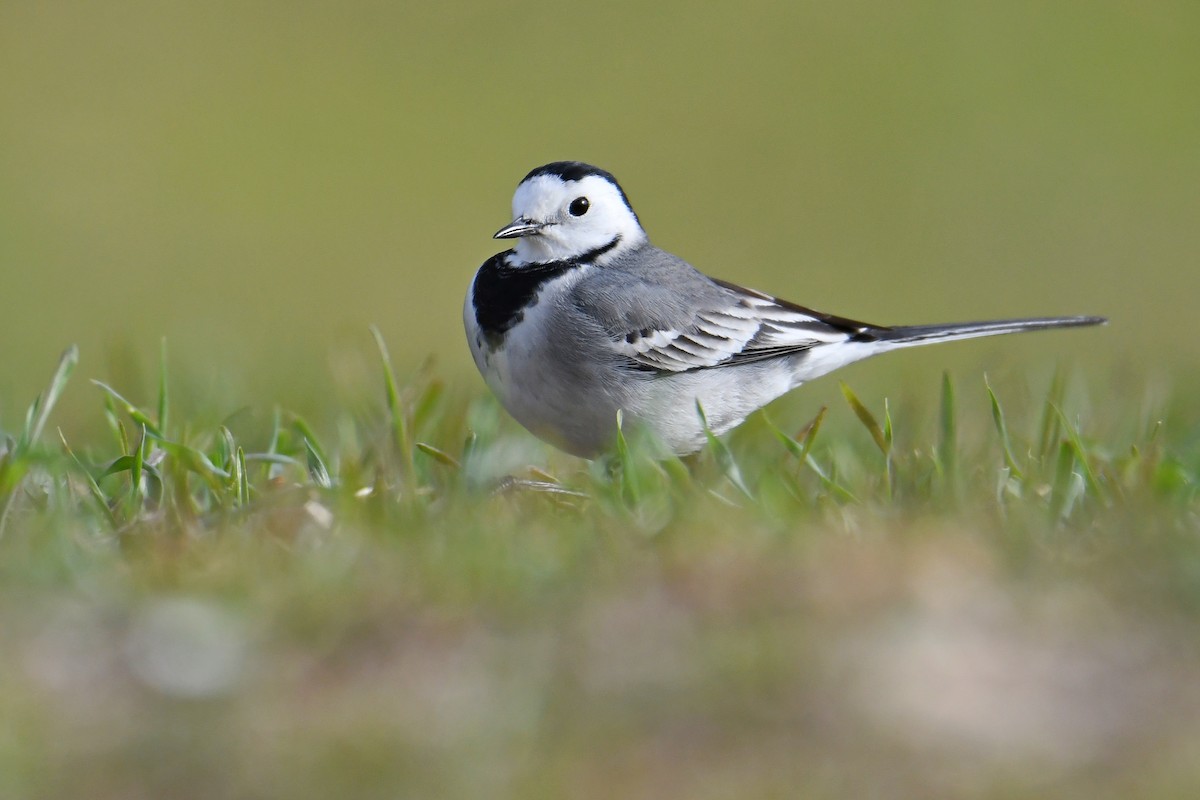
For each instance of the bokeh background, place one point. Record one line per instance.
(260, 181)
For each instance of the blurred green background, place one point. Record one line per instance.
(260, 181)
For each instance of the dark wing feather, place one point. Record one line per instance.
(737, 326)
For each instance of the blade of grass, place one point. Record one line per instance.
(829, 481)
(163, 395)
(135, 413)
(677, 472)
(790, 444)
(888, 431)
(241, 479)
(117, 465)
(135, 472)
(151, 480)
(867, 419)
(123, 437)
(1080, 454)
(948, 430)
(195, 461)
(1004, 486)
(316, 467)
(114, 424)
(275, 470)
(62, 374)
(9, 474)
(801, 444)
(31, 414)
(227, 450)
(1050, 419)
(93, 487)
(722, 455)
(440, 456)
(881, 435)
(306, 434)
(1075, 490)
(6, 463)
(400, 431)
(1002, 429)
(803, 451)
(810, 432)
(272, 458)
(1067, 483)
(629, 481)
(35, 421)
(888, 437)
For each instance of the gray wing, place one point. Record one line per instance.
(664, 316)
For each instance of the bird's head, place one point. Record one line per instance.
(569, 210)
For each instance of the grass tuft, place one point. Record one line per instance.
(416, 580)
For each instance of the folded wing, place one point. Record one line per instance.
(736, 327)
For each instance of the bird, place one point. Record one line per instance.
(584, 320)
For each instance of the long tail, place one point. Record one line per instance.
(912, 335)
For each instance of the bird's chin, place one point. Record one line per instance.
(537, 249)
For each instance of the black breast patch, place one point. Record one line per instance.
(502, 293)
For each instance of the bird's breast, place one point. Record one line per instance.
(503, 294)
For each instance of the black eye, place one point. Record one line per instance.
(579, 206)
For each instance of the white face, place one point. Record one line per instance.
(578, 216)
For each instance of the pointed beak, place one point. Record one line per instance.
(520, 227)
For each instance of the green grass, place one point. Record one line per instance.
(414, 599)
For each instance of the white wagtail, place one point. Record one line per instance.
(584, 317)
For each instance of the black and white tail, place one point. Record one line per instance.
(912, 335)
(864, 341)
